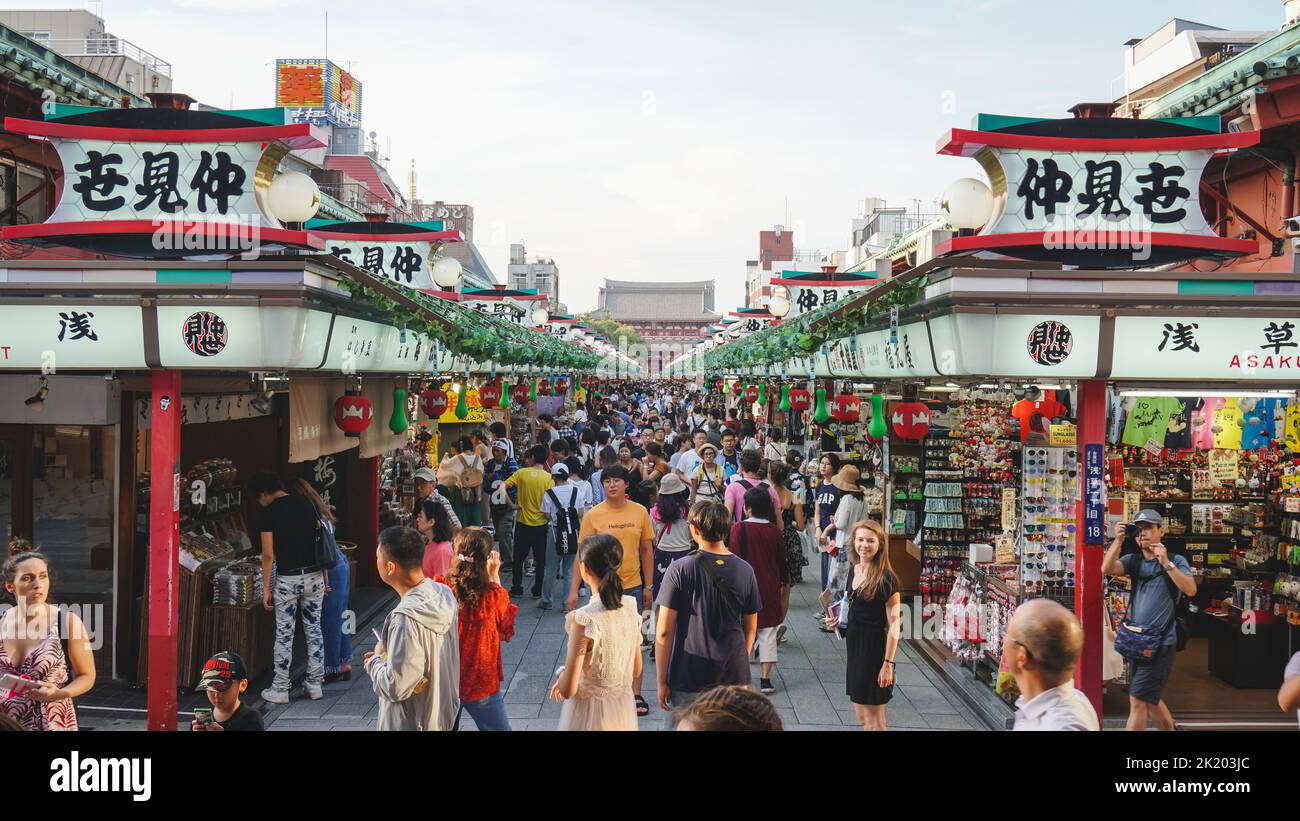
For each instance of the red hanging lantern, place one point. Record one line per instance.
(737, 389)
(911, 420)
(434, 403)
(846, 408)
(490, 395)
(519, 393)
(717, 384)
(543, 387)
(561, 386)
(352, 413)
(751, 394)
(800, 400)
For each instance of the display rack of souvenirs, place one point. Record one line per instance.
(1047, 523)
(238, 583)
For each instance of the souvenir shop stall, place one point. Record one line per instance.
(1222, 468)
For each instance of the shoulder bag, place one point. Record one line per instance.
(730, 602)
(1139, 642)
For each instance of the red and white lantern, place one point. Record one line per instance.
(519, 393)
(800, 400)
(737, 389)
(434, 403)
(911, 420)
(846, 408)
(353, 413)
(751, 394)
(490, 395)
(561, 386)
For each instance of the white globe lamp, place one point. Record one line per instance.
(540, 316)
(293, 197)
(778, 305)
(446, 273)
(967, 204)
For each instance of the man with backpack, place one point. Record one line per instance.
(751, 462)
(563, 506)
(708, 614)
(1158, 582)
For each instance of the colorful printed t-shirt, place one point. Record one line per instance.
(1203, 422)
(1149, 419)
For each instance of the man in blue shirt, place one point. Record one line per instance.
(1157, 581)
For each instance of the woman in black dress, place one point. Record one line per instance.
(872, 625)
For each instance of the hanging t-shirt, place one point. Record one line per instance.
(1203, 422)
(1178, 430)
(1260, 429)
(1293, 425)
(1025, 409)
(1149, 419)
(1115, 416)
(1228, 419)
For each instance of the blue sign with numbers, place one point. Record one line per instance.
(1094, 496)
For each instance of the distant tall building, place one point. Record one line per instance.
(80, 36)
(774, 247)
(668, 315)
(541, 275)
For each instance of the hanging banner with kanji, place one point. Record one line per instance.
(1104, 193)
(810, 291)
(165, 183)
(402, 253)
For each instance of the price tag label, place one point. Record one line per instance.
(1132, 504)
(1223, 465)
(1063, 435)
(1291, 504)
(1004, 549)
(1008, 508)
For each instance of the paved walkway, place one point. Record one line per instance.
(809, 678)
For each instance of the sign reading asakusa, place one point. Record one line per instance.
(1264, 347)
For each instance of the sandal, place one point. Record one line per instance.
(642, 708)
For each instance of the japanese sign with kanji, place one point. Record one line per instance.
(1264, 347)
(407, 264)
(806, 298)
(1116, 193)
(319, 92)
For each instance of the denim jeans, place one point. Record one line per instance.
(564, 567)
(338, 642)
(293, 595)
(503, 521)
(489, 713)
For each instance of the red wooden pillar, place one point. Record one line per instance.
(1088, 593)
(164, 548)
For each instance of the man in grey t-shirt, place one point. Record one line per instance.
(1152, 605)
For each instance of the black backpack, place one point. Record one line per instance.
(567, 524)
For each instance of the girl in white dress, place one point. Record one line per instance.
(604, 651)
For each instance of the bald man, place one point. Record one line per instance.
(1042, 647)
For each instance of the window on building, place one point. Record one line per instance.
(42, 37)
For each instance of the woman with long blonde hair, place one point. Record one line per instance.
(872, 624)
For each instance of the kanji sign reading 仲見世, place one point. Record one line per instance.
(1112, 192)
(401, 263)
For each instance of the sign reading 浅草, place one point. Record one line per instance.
(1264, 347)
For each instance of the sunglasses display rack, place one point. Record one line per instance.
(943, 527)
(1047, 537)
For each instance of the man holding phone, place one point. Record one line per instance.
(1157, 580)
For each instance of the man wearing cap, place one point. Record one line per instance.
(570, 491)
(426, 489)
(1157, 580)
(224, 678)
(502, 500)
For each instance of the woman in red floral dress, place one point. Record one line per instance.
(486, 618)
(31, 648)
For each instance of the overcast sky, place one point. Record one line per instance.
(653, 140)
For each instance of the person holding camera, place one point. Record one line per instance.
(1157, 580)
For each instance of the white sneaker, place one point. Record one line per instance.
(313, 691)
(274, 696)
